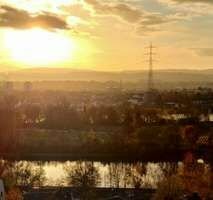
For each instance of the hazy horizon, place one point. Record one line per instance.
(91, 69)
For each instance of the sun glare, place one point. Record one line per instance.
(37, 46)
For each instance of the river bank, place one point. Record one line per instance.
(63, 193)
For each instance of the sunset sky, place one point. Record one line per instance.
(106, 34)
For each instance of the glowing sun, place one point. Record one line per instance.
(38, 46)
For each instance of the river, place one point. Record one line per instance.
(124, 175)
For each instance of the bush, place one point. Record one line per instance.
(14, 194)
(169, 188)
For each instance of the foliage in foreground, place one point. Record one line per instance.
(169, 188)
(193, 179)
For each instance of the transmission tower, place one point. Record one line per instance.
(150, 73)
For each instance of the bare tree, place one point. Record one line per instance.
(27, 175)
(85, 176)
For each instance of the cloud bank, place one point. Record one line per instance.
(21, 19)
(143, 20)
(194, 1)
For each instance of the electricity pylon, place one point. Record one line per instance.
(150, 73)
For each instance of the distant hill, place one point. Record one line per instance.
(75, 80)
(59, 74)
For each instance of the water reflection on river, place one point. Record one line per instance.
(111, 174)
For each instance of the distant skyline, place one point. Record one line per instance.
(108, 35)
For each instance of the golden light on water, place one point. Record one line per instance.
(38, 46)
